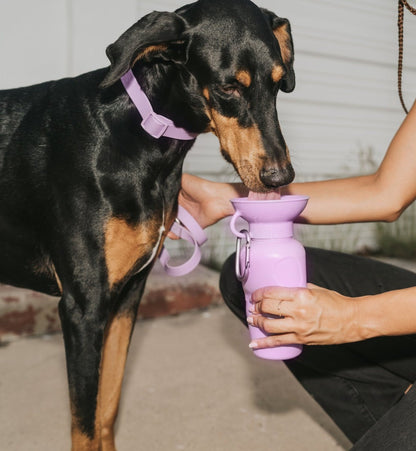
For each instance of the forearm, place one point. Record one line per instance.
(381, 196)
(355, 199)
(386, 314)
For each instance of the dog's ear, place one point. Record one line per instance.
(159, 34)
(282, 32)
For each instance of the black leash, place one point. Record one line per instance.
(402, 4)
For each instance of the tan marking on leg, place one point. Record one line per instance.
(277, 73)
(243, 77)
(81, 442)
(113, 362)
(125, 244)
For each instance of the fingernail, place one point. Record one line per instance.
(253, 344)
(250, 320)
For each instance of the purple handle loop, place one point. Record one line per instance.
(234, 219)
(187, 228)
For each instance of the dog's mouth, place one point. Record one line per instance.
(257, 179)
(262, 184)
(271, 195)
(261, 171)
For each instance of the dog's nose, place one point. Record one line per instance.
(273, 177)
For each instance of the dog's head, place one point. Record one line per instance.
(230, 58)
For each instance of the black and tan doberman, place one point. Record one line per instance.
(87, 196)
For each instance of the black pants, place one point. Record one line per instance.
(360, 385)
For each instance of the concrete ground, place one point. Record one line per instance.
(191, 384)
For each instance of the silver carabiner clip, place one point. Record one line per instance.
(241, 276)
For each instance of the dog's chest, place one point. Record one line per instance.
(131, 248)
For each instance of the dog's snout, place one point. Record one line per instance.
(273, 177)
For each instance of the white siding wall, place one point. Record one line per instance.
(345, 102)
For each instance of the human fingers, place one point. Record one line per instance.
(282, 325)
(275, 340)
(275, 292)
(272, 307)
(278, 301)
(315, 316)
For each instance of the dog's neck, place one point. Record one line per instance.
(173, 93)
(153, 123)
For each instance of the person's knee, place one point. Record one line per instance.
(327, 268)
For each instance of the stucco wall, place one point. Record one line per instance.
(345, 106)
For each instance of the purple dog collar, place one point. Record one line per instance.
(187, 228)
(154, 124)
(157, 125)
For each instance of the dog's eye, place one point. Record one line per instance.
(231, 90)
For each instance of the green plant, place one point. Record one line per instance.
(398, 239)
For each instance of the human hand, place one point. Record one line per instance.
(312, 315)
(207, 201)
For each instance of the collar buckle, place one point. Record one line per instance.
(155, 124)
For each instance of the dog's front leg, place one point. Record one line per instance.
(97, 329)
(97, 310)
(111, 377)
(116, 344)
(85, 309)
(83, 326)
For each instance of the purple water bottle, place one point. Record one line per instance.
(270, 256)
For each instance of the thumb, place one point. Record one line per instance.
(172, 236)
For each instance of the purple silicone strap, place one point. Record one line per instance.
(154, 124)
(187, 228)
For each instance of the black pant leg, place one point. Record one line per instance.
(355, 383)
(353, 275)
(356, 276)
(395, 431)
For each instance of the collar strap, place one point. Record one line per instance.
(154, 124)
